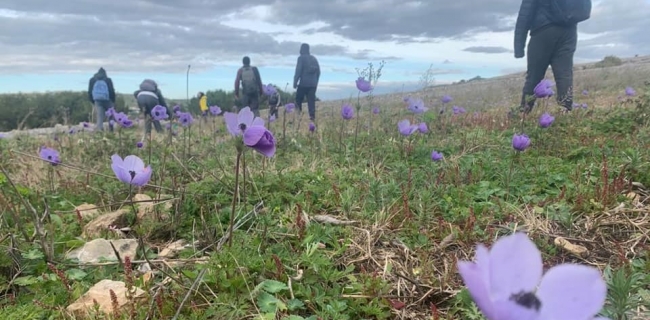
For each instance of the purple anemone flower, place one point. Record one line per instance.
(543, 89)
(423, 128)
(507, 282)
(49, 155)
(131, 170)
(417, 106)
(139, 144)
(446, 99)
(347, 112)
(546, 120)
(520, 142)
(159, 113)
(255, 135)
(126, 123)
(269, 90)
(436, 156)
(176, 108)
(289, 107)
(185, 118)
(215, 110)
(375, 110)
(312, 127)
(585, 92)
(630, 92)
(363, 85)
(406, 128)
(458, 110)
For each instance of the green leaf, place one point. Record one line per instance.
(292, 317)
(25, 281)
(76, 274)
(268, 303)
(75, 243)
(56, 220)
(273, 286)
(33, 254)
(295, 304)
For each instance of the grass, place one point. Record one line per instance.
(327, 232)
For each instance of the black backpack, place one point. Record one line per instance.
(273, 99)
(569, 12)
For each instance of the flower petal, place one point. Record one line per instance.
(258, 122)
(571, 291)
(142, 177)
(477, 285)
(118, 169)
(133, 163)
(510, 310)
(245, 116)
(261, 140)
(253, 135)
(231, 123)
(515, 266)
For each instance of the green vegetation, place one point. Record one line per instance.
(293, 254)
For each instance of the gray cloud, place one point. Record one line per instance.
(489, 50)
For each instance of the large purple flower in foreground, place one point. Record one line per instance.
(417, 106)
(543, 89)
(506, 283)
(131, 170)
(252, 129)
(363, 85)
(520, 142)
(630, 92)
(546, 120)
(406, 128)
(347, 112)
(159, 113)
(50, 155)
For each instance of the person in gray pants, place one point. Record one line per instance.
(148, 97)
(551, 43)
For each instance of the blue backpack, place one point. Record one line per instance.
(100, 90)
(569, 12)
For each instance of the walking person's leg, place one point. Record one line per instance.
(311, 103)
(254, 103)
(539, 53)
(300, 96)
(100, 109)
(562, 65)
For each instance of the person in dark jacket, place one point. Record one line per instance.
(550, 44)
(252, 88)
(305, 80)
(149, 96)
(101, 94)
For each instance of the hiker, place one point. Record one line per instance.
(203, 104)
(102, 94)
(149, 96)
(553, 40)
(251, 83)
(274, 103)
(305, 80)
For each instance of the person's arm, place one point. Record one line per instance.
(91, 83)
(524, 19)
(111, 90)
(296, 76)
(279, 100)
(259, 80)
(237, 80)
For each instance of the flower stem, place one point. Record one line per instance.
(135, 212)
(234, 199)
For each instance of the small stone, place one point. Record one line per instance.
(100, 292)
(100, 249)
(574, 249)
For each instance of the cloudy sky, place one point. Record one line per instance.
(58, 45)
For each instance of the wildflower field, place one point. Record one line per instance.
(376, 211)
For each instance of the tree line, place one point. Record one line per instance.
(41, 110)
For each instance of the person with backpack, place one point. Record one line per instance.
(274, 103)
(252, 88)
(149, 96)
(102, 95)
(553, 39)
(305, 80)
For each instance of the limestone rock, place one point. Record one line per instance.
(100, 292)
(99, 249)
(87, 211)
(99, 225)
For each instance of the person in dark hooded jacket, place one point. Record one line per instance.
(553, 41)
(305, 80)
(101, 93)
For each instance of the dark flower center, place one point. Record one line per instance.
(242, 127)
(132, 173)
(157, 113)
(527, 299)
